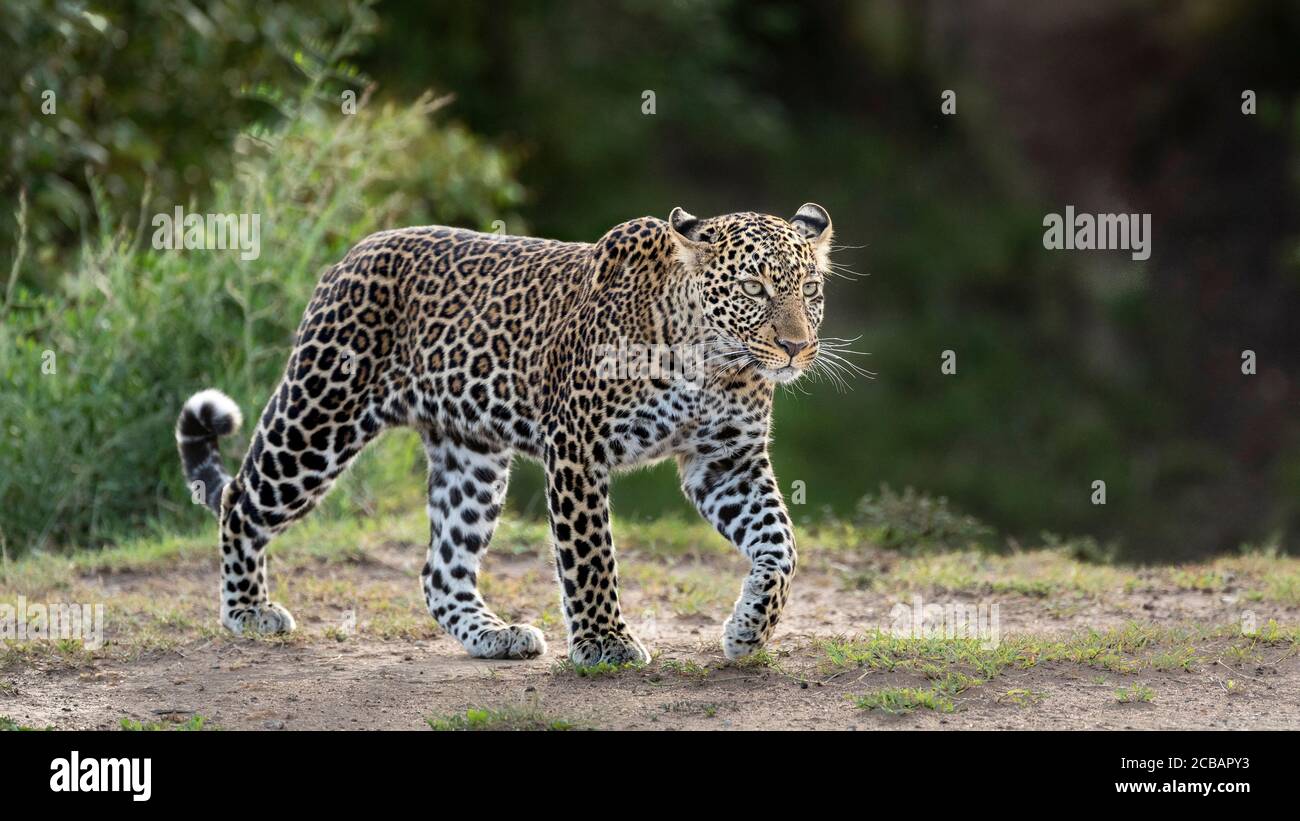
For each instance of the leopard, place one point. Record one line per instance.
(493, 347)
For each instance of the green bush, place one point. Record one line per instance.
(913, 523)
(147, 93)
(96, 373)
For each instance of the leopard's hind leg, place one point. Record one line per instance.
(300, 447)
(467, 487)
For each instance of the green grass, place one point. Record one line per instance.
(509, 718)
(67, 652)
(1135, 694)
(882, 651)
(1273, 633)
(670, 537)
(1061, 571)
(1038, 574)
(958, 664)
(323, 536)
(688, 586)
(1022, 697)
(685, 668)
(1177, 659)
(600, 670)
(192, 724)
(7, 724)
(904, 700)
(766, 657)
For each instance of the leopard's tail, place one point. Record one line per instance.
(207, 416)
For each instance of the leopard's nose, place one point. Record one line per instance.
(793, 346)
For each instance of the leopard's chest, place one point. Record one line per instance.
(660, 422)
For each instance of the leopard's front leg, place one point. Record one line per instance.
(738, 494)
(578, 504)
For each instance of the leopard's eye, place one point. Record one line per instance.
(811, 288)
(752, 287)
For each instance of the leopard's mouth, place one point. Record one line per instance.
(783, 375)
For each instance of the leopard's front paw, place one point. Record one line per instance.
(741, 637)
(753, 619)
(613, 647)
(514, 641)
(267, 618)
(751, 624)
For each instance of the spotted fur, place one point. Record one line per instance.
(492, 346)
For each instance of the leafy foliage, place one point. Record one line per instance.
(96, 371)
(146, 94)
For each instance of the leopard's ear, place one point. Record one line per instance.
(685, 225)
(685, 231)
(814, 224)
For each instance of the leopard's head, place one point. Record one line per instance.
(759, 283)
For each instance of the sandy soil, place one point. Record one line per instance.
(167, 660)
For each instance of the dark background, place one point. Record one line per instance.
(1072, 366)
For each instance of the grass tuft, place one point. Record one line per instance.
(194, 723)
(509, 718)
(1135, 694)
(8, 724)
(904, 700)
(600, 670)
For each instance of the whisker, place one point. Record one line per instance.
(832, 356)
(833, 349)
(848, 369)
(821, 370)
(844, 272)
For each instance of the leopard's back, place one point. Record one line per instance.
(450, 327)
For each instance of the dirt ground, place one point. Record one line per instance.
(1079, 646)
